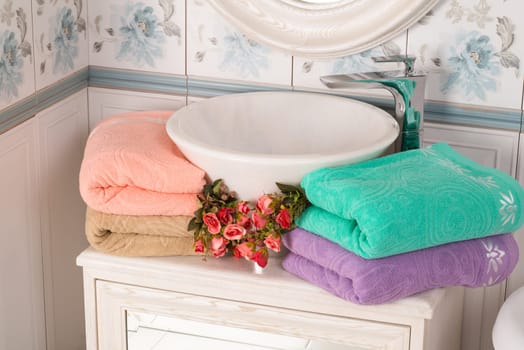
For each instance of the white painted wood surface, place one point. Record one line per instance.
(62, 130)
(22, 323)
(229, 292)
(497, 149)
(107, 102)
(113, 298)
(185, 333)
(42, 219)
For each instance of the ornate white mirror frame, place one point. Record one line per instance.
(323, 29)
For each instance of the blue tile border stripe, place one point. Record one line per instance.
(29, 106)
(62, 89)
(491, 118)
(17, 113)
(137, 80)
(448, 114)
(190, 86)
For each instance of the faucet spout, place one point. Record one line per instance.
(408, 93)
(347, 81)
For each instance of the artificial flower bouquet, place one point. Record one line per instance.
(223, 223)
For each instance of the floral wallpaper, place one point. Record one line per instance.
(306, 72)
(16, 55)
(60, 39)
(216, 49)
(475, 53)
(142, 35)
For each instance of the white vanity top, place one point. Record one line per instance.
(236, 279)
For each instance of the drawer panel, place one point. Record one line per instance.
(135, 314)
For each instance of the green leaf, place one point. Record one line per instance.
(207, 190)
(217, 184)
(199, 212)
(286, 188)
(194, 225)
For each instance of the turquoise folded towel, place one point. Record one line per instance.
(409, 201)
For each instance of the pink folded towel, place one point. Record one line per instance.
(131, 167)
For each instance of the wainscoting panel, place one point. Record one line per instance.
(22, 319)
(106, 102)
(493, 148)
(62, 134)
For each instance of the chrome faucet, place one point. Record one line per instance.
(377, 80)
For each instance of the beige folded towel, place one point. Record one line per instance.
(139, 235)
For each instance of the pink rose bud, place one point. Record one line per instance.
(225, 215)
(258, 220)
(212, 223)
(242, 207)
(199, 246)
(283, 219)
(243, 250)
(218, 246)
(264, 204)
(245, 221)
(261, 257)
(272, 243)
(234, 231)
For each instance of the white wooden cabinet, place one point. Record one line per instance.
(497, 149)
(226, 301)
(42, 218)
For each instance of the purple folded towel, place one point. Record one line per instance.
(471, 263)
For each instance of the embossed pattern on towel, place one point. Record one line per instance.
(131, 167)
(136, 235)
(410, 200)
(473, 263)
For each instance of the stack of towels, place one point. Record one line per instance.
(139, 189)
(384, 229)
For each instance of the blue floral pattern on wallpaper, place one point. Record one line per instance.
(243, 56)
(65, 41)
(61, 47)
(474, 66)
(357, 63)
(140, 32)
(219, 42)
(363, 62)
(474, 62)
(14, 48)
(141, 38)
(10, 65)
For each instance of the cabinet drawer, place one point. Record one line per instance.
(127, 315)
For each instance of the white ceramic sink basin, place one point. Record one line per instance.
(252, 140)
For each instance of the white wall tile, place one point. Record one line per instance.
(60, 38)
(147, 35)
(472, 50)
(17, 75)
(306, 72)
(216, 49)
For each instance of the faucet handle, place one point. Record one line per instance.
(409, 62)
